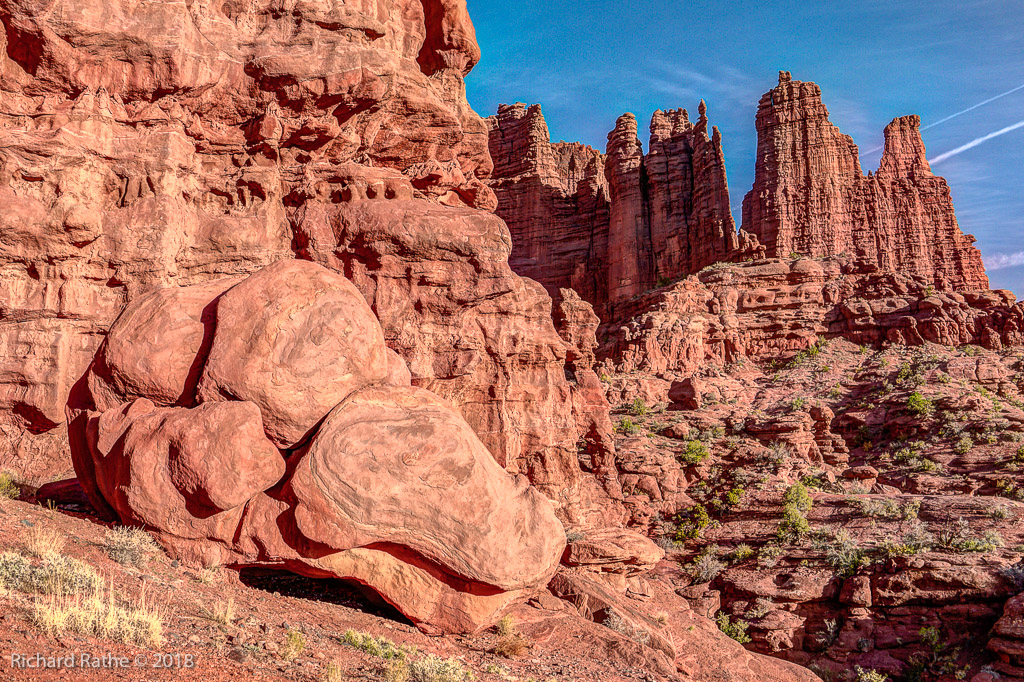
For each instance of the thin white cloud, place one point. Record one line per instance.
(1002, 261)
(974, 143)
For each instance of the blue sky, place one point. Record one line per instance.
(588, 62)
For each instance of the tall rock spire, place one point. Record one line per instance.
(811, 197)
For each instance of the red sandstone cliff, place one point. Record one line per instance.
(149, 145)
(546, 190)
(613, 226)
(810, 196)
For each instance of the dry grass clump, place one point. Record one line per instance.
(42, 542)
(332, 672)
(101, 615)
(511, 642)
(129, 546)
(379, 647)
(433, 668)
(222, 612)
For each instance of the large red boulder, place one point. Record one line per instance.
(296, 339)
(393, 488)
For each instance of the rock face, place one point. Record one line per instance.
(154, 145)
(776, 308)
(616, 225)
(387, 486)
(810, 196)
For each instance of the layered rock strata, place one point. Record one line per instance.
(616, 225)
(151, 145)
(776, 308)
(811, 197)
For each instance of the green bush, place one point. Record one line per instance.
(695, 452)
(742, 552)
(692, 523)
(919, 405)
(964, 445)
(798, 496)
(629, 427)
(638, 408)
(736, 629)
(793, 525)
(842, 552)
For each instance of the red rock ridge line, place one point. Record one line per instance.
(811, 197)
(613, 226)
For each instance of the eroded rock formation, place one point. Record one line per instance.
(810, 196)
(613, 226)
(149, 145)
(778, 307)
(303, 445)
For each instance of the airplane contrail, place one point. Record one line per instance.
(979, 104)
(959, 113)
(976, 142)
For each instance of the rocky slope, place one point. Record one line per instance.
(810, 196)
(251, 269)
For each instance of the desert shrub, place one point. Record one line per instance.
(793, 525)
(737, 629)
(1000, 513)
(797, 404)
(889, 508)
(959, 538)
(129, 546)
(615, 622)
(914, 540)
(919, 405)
(573, 535)
(842, 552)
(395, 671)
(706, 567)
(511, 642)
(694, 453)
(760, 608)
(691, 523)
(798, 496)
(828, 635)
(963, 445)
(512, 645)
(742, 552)
(769, 554)
(638, 408)
(99, 614)
(55, 574)
(379, 647)
(333, 672)
(9, 489)
(733, 497)
(870, 675)
(629, 427)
